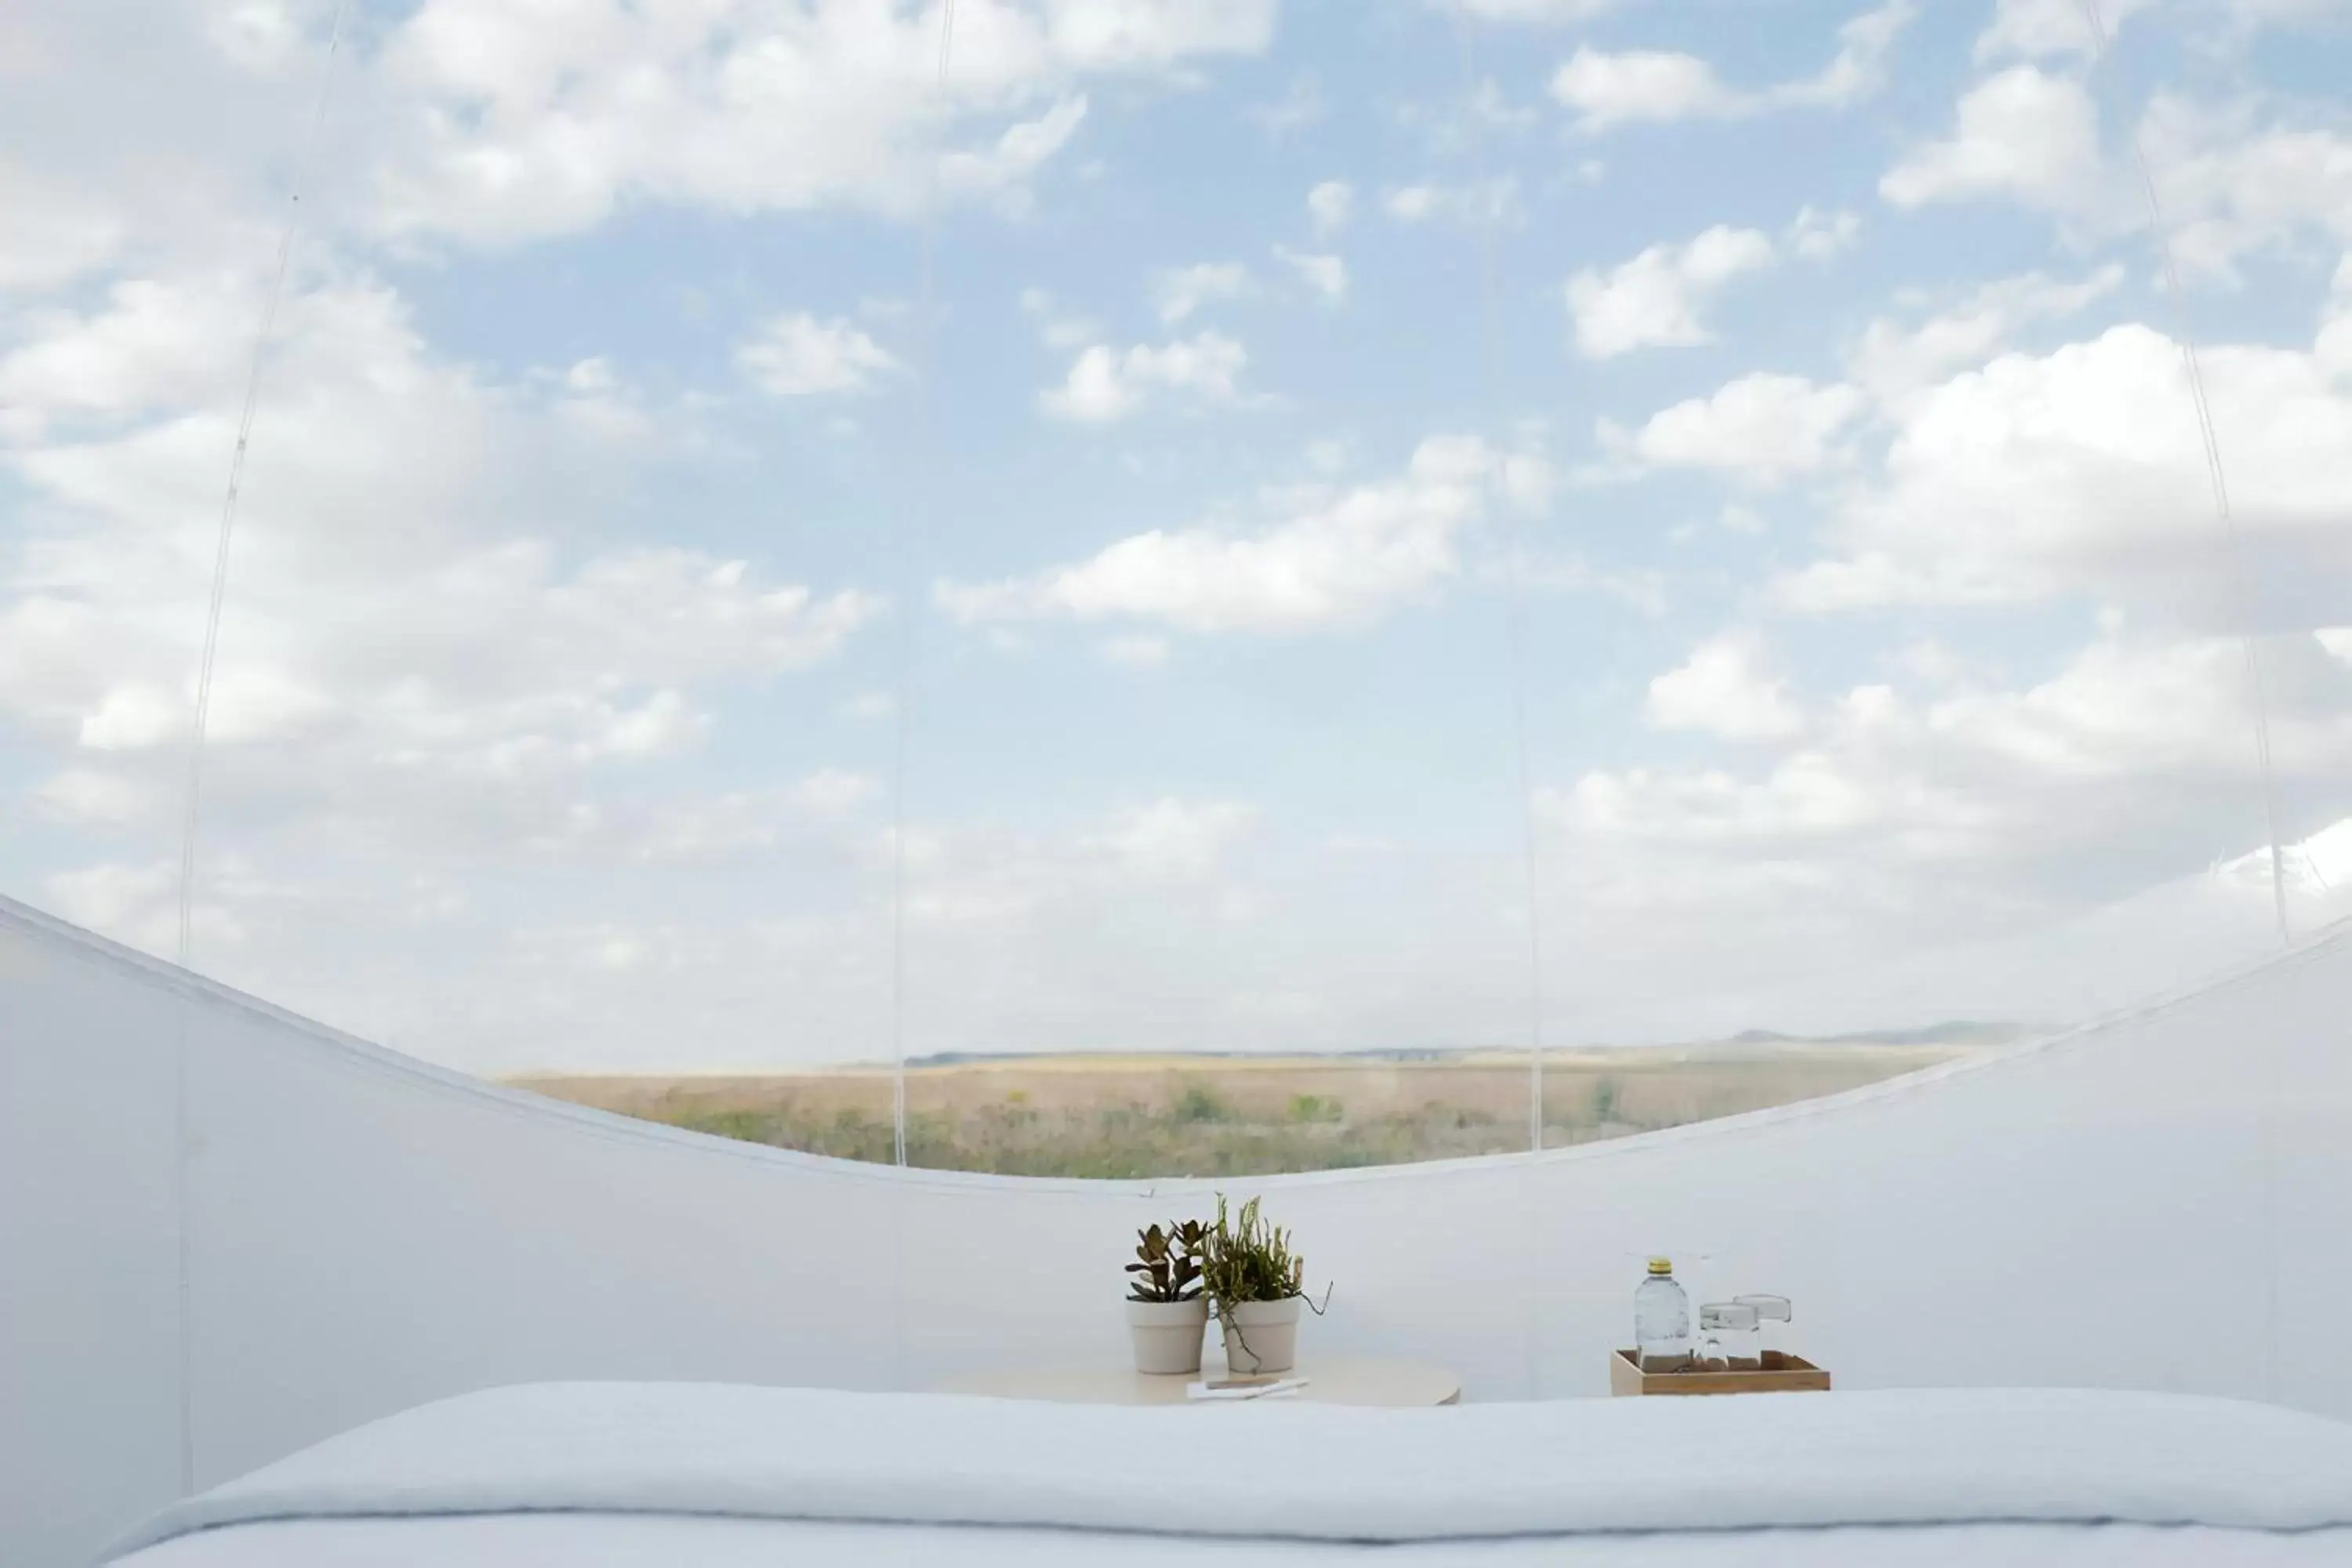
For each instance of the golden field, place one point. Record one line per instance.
(1113, 1116)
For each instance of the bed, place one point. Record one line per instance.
(640, 1475)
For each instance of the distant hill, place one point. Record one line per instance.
(1403, 1054)
(1956, 1034)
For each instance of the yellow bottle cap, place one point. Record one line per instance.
(1661, 1266)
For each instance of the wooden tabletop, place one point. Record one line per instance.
(1332, 1380)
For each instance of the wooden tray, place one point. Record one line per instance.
(1779, 1374)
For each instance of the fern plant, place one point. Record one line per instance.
(1168, 1262)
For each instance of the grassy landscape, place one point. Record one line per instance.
(1111, 1116)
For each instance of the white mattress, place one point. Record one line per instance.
(630, 1475)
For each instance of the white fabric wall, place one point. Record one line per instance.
(2131, 1206)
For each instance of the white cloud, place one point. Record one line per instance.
(1637, 87)
(128, 901)
(1410, 204)
(451, 696)
(1494, 200)
(2024, 134)
(153, 344)
(2082, 471)
(1001, 171)
(1148, 35)
(2037, 29)
(1762, 428)
(1725, 690)
(2232, 186)
(1548, 12)
(1640, 589)
(1332, 559)
(1033, 893)
(1045, 935)
(1804, 797)
(1327, 275)
(54, 231)
(1328, 205)
(796, 355)
(1137, 651)
(2240, 175)
(592, 377)
(1640, 86)
(1454, 125)
(1897, 828)
(131, 717)
(1300, 106)
(91, 794)
(1894, 359)
(421, 674)
(101, 174)
(1819, 236)
(1653, 301)
(1858, 70)
(1171, 837)
(2123, 710)
(515, 128)
(2332, 351)
(1104, 385)
(1059, 329)
(517, 657)
(1658, 299)
(1330, 456)
(716, 826)
(1180, 291)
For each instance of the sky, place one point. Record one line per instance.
(1223, 524)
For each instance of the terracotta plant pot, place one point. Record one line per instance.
(1261, 1337)
(1167, 1334)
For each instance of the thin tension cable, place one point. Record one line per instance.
(191, 818)
(903, 699)
(189, 821)
(2241, 594)
(2240, 609)
(1515, 617)
(1515, 595)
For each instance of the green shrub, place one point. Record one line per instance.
(1199, 1103)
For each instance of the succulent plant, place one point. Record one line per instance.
(1249, 1259)
(1168, 1261)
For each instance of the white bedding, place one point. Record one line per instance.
(631, 1475)
(652, 1541)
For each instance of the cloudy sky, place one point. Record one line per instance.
(1170, 413)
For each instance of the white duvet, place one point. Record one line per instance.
(627, 1474)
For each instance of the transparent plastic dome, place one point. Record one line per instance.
(1164, 595)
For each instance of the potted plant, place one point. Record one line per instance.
(1257, 1283)
(1166, 1312)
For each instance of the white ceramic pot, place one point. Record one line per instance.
(1262, 1337)
(1167, 1334)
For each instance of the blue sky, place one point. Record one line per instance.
(1808, 369)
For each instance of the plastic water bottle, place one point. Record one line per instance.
(1662, 1321)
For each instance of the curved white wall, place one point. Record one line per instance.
(2130, 1207)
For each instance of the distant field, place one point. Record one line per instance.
(1111, 1116)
